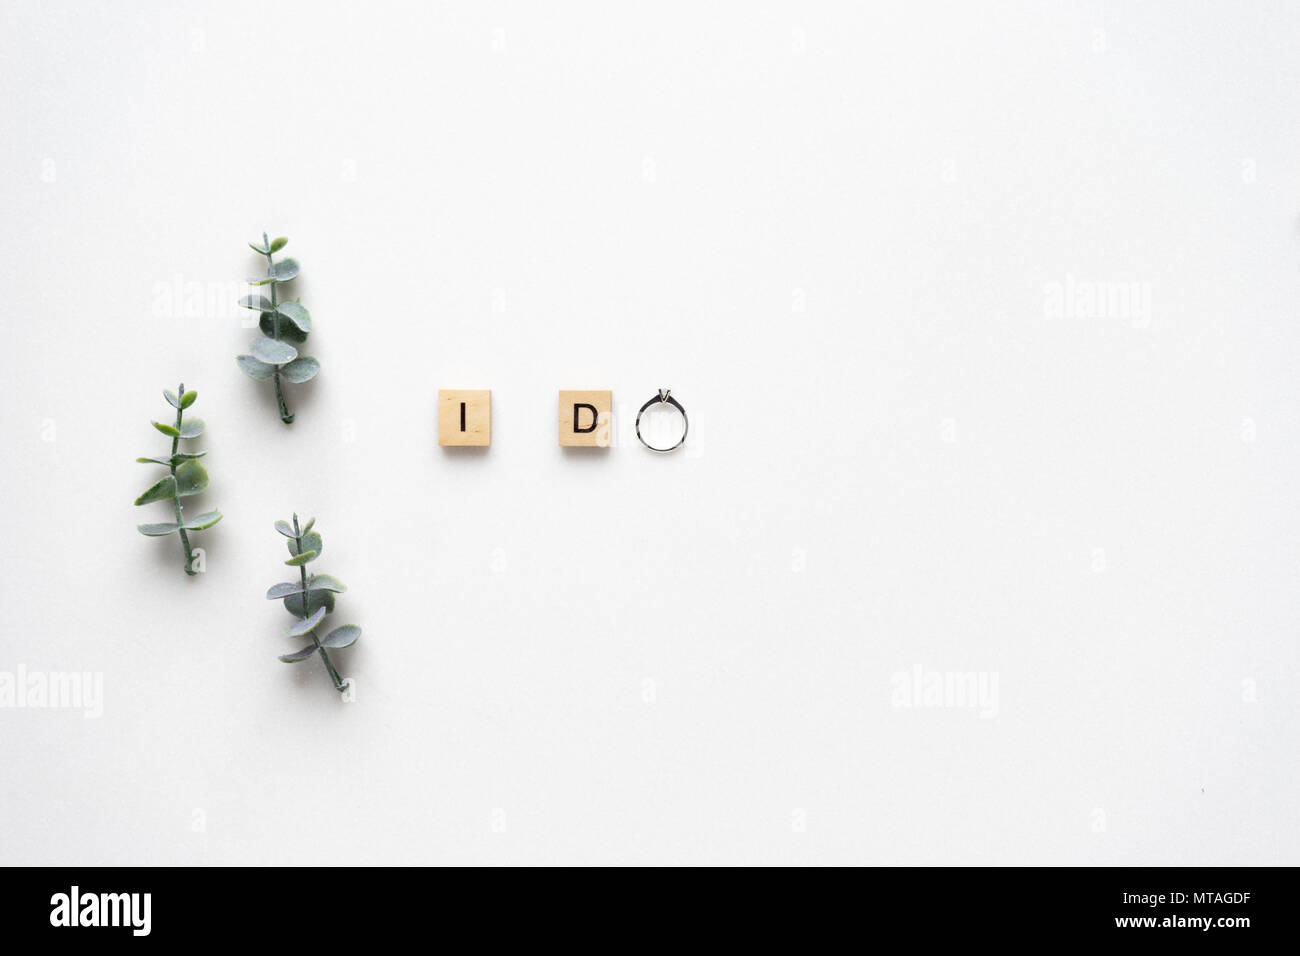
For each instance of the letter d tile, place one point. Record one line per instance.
(585, 418)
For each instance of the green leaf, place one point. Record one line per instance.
(285, 529)
(164, 488)
(199, 522)
(306, 625)
(310, 542)
(280, 243)
(321, 589)
(189, 398)
(191, 478)
(315, 601)
(303, 558)
(296, 313)
(277, 591)
(175, 459)
(301, 369)
(273, 352)
(167, 430)
(158, 530)
(309, 525)
(171, 398)
(288, 331)
(325, 582)
(192, 428)
(255, 368)
(260, 250)
(301, 655)
(342, 636)
(284, 270)
(259, 302)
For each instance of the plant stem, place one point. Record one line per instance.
(302, 570)
(275, 324)
(176, 498)
(285, 416)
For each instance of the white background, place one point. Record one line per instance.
(835, 232)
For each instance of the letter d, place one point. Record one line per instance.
(577, 429)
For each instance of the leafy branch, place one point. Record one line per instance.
(185, 477)
(284, 325)
(310, 598)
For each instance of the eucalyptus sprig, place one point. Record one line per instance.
(185, 476)
(284, 325)
(310, 598)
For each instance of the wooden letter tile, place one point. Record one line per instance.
(585, 418)
(464, 416)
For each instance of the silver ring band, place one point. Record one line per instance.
(663, 398)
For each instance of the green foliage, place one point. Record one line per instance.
(284, 326)
(304, 542)
(342, 636)
(310, 598)
(185, 477)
